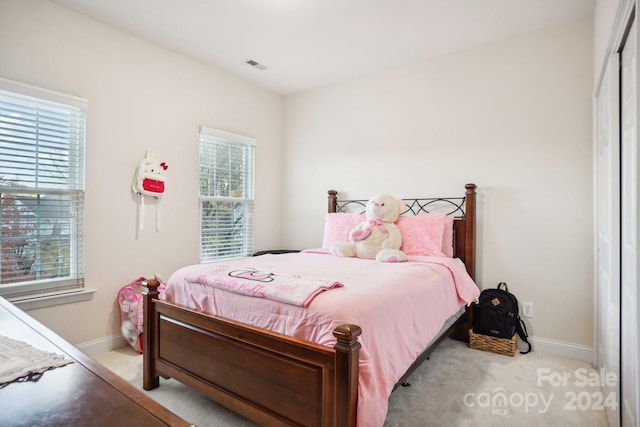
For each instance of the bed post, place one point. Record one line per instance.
(346, 376)
(149, 345)
(470, 234)
(461, 331)
(333, 201)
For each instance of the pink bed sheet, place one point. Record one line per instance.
(399, 306)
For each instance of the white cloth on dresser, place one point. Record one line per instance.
(19, 359)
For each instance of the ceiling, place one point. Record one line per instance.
(304, 44)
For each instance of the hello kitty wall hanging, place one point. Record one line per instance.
(149, 180)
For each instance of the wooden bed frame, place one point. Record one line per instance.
(270, 378)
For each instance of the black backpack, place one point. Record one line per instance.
(497, 315)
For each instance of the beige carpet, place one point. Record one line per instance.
(457, 386)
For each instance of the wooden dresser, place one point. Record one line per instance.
(83, 393)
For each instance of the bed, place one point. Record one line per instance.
(326, 377)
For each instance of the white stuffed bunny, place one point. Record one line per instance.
(378, 237)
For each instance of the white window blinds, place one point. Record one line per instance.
(226, 165)
(42, 142)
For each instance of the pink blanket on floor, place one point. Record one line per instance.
(290, 289)
(399, 306)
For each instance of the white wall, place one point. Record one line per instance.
(513, 117)
(140, 96)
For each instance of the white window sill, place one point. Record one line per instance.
(32, 302)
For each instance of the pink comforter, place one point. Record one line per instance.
(399, 306)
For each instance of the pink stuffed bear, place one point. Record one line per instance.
(378, 237)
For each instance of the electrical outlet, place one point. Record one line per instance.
(527, 309)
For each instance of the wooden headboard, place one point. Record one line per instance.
(462, 208)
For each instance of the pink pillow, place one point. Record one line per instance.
(447, 239)
(337, 227)
(425, 234)
(422, 234)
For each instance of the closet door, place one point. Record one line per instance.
(629, 232)
(607, 274)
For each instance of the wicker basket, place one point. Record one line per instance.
(496, 345)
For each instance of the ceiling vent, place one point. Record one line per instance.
(257, 65)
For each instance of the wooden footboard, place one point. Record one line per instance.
(267, 377)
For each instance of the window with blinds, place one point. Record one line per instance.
(42, 142)
(226, 165)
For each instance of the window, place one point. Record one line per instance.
(226, 195)
(42, 141)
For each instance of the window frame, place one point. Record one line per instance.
(209, 136)
(50, 291)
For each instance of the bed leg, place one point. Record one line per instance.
(150, 379)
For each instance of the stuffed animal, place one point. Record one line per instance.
(378, 237)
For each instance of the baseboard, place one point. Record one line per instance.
(102, 345)
(579, 352)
